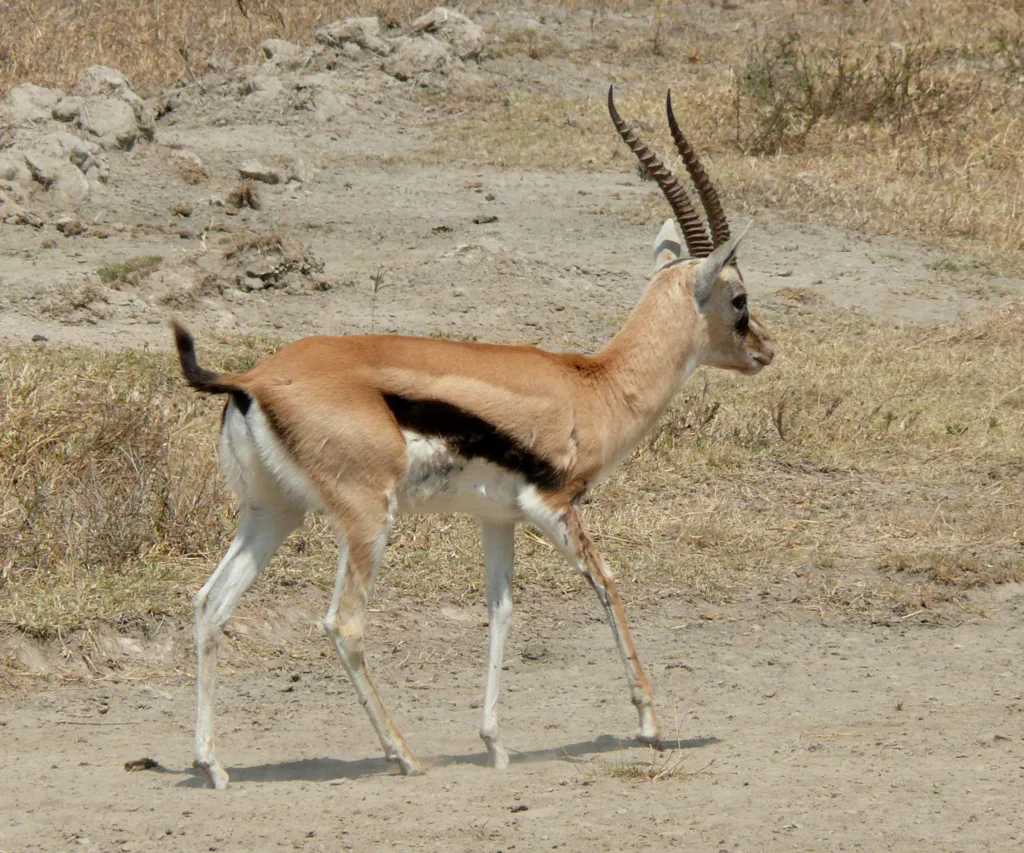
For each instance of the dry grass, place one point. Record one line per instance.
(659, 767)
(888, 117)
(872, 468)
(153, 44)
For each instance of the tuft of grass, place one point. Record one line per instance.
(659, 767)
(246, 194)
(131, 271)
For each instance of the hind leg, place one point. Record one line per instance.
(361, 549)
(259, 535)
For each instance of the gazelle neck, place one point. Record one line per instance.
(648, 360)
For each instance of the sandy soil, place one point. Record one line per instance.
(787, 732)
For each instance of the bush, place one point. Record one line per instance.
(787, 88)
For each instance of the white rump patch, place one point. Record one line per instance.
(258, 467)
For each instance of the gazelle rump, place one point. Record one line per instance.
(366, 427)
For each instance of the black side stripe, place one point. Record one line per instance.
(473, 438)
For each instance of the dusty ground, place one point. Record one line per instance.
(789, 732)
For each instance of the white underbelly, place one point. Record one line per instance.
(438, 480)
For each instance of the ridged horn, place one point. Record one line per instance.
(697, 241)
(705, 189)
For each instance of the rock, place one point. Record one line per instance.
(251, 170)
(417, 56)
(364, 32)
(278, 49)
(107, 82)
(111, 121)
(70, 226)
(534, 650)
(466, 38)
(29, 103)
(60, 177)
(67, 108)
(262, 87)
(14, 169)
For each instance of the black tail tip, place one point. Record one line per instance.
(182, 337)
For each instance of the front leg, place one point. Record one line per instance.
(498, 540)
(563, 526)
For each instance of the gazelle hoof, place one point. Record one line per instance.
(216, 776)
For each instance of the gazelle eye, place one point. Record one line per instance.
(740, 302)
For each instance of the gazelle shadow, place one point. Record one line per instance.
(330, 769)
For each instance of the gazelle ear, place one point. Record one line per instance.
(711, 266)
(668, 245)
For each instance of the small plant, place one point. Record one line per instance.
(129, 272)
(246, 194)
(659, 767)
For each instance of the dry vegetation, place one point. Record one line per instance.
(153, 44)
(897, 116)
(893, 117)
(865, 448)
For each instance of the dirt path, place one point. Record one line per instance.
(793, 734)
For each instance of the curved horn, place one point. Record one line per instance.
(694, 232)
(705, 189)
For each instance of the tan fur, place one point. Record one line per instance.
(579, 412)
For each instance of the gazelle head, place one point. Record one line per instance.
(734, 339)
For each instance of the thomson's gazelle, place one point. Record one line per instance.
(365, 427)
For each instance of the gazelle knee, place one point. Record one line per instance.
(347, 637)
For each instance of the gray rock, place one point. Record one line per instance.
(64, 180)
(104, 82)
(67, 108)
(414, 57)
(364, 32)
(14, 169)
(252, 170)
(466, 38)
(279, 49)
(262, 87)
(29, 103)
(113, 122)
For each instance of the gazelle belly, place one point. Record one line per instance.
(438, 480)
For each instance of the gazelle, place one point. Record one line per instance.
(364, 427)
